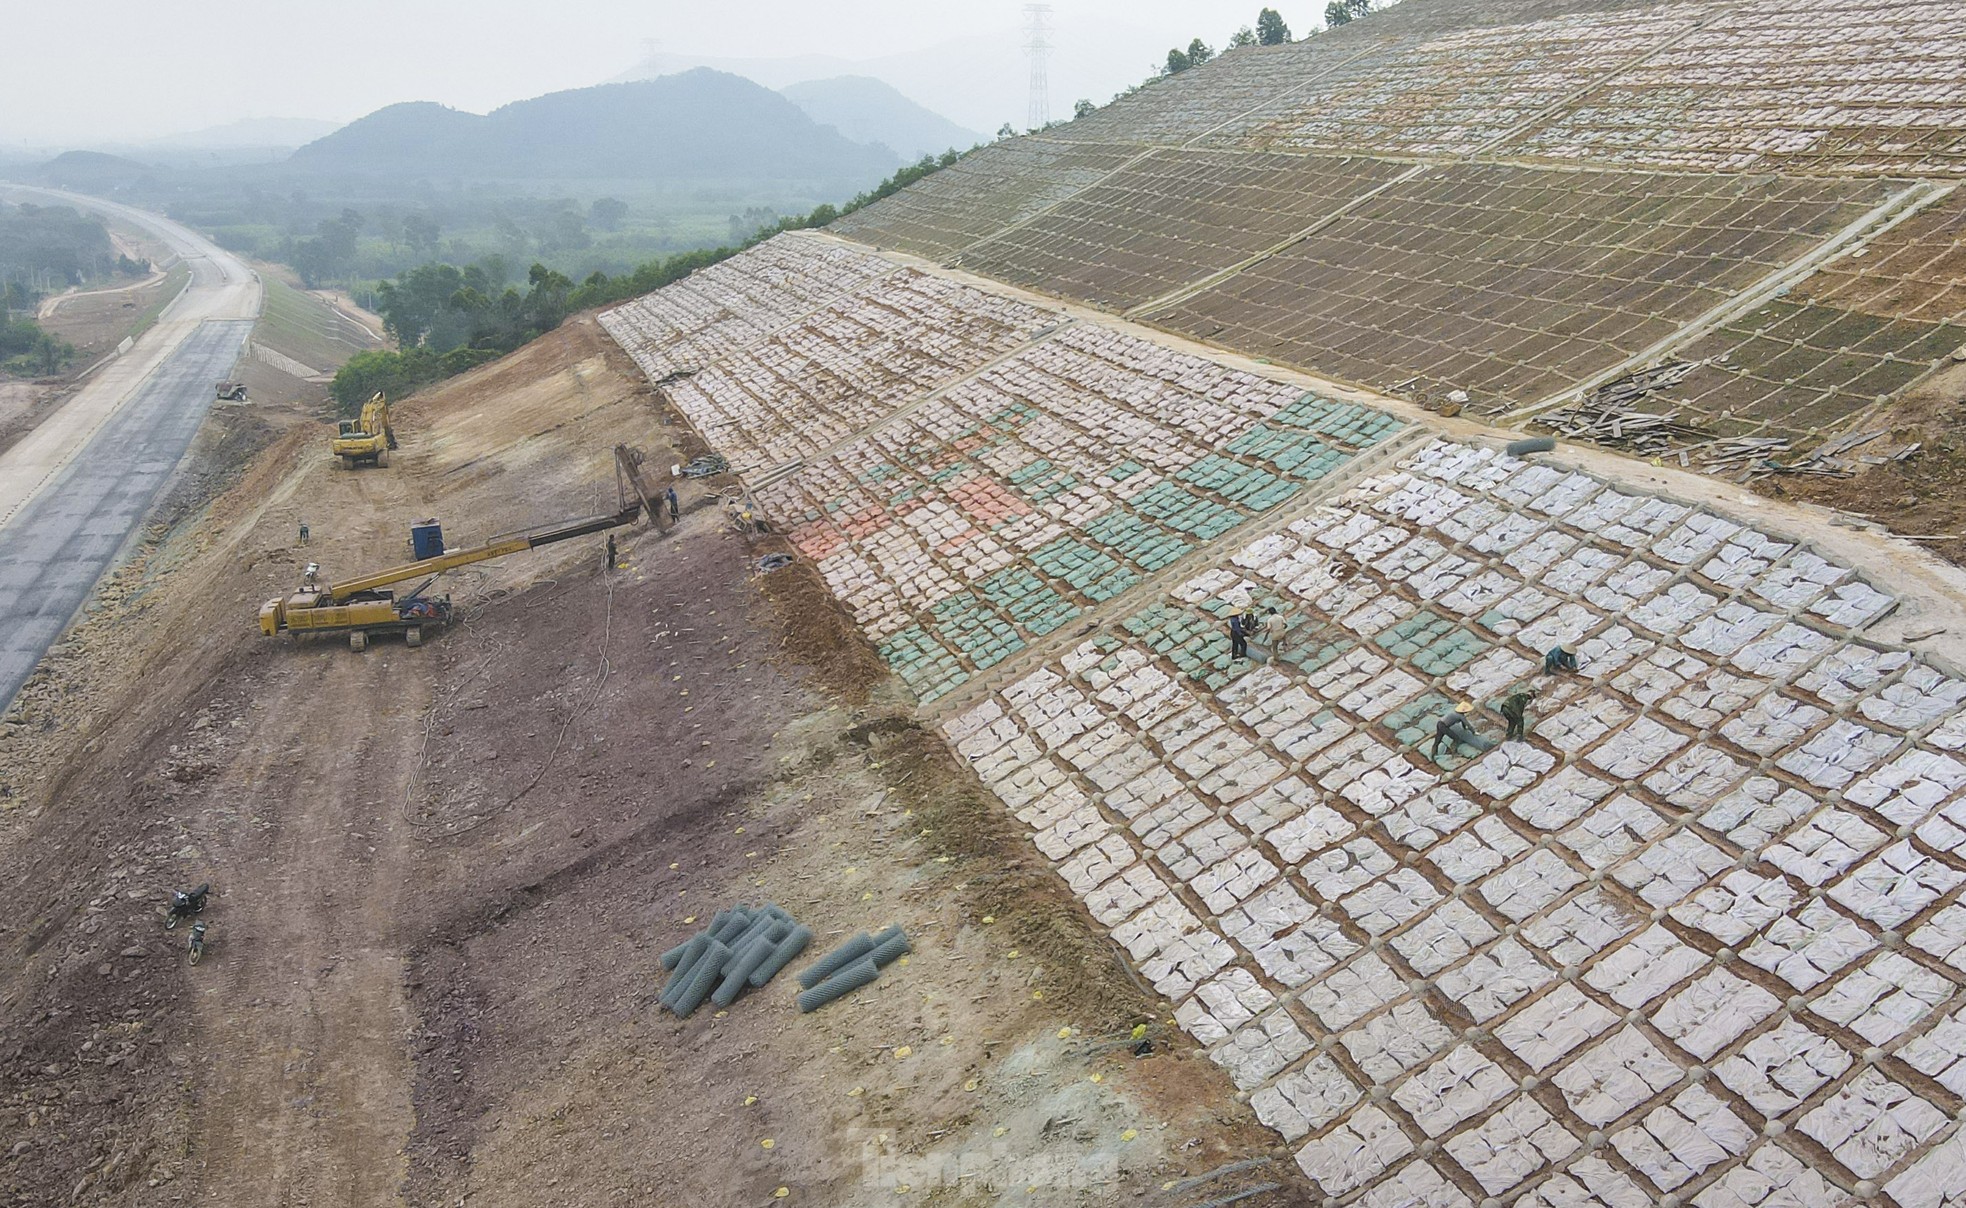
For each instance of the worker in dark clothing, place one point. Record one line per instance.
(1239, 636)
(303, 532)
(1455, 731)
(674, 510)
(1515, 709)
(614, 559)
(1560, 658)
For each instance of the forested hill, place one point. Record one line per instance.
(699, 125)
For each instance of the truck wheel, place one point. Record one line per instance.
(358, 640)
(413, 636)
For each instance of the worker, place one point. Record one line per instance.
(614, 559)
(1238, 636)
(303, 532)
(1560, 658)
(1455, 731)
(1515, 709)
(674, 510)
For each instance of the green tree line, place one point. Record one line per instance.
(447, 319)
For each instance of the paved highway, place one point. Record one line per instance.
(75, 488)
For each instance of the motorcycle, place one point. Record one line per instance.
(184, 904)
(197, 941)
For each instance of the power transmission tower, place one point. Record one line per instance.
(1037, 44)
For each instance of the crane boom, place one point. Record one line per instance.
(359, 606)
(497, 547)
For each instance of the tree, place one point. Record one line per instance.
(1270, 29)
(1339, 12)
(1083, 108)
(1177, 62)
(422, 232)
(1199, 53)
(606, 213)
(1006, 131)
(1241, 38)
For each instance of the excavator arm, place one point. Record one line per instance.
(358, 607)
(498, 547)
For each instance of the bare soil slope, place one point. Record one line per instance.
(442, 876)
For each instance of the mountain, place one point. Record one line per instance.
(249, 132)
(701, 125)
(92, 172)
(869, 111)
(979, 81)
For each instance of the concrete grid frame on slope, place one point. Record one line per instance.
(1700, 933)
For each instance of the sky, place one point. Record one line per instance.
(102, 71)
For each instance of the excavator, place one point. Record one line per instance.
(363, 606)
(366, 440)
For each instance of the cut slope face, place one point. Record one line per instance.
(1523, 202)
(1698, 932)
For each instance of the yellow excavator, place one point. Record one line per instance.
(366, 441)
(363, 606)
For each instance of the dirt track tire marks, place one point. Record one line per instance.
(306, 1098)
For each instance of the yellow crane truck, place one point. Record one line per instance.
(363, 606)
(366, 441)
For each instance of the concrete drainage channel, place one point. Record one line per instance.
(745, 947)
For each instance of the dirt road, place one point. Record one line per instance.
(309, 1092)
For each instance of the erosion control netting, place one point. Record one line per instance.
(717, 309)
(1456, 94)
(1699, 935)
(980, 194)
(1847, 339)
(1170, 219)
(1171, 111)
(1046, 486)
(1860, 86)
(849, 366)
(1513, 283)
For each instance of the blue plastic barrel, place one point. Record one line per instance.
(426, 539)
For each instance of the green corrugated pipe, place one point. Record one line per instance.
(846, 981)
(786, 951)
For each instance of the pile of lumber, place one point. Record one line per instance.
(1606, 416)
(1752, 457)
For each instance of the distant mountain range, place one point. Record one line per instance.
(981, 81)
(867, 110)
(699, 125)
(252, 132)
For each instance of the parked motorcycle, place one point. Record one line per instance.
(185, 903)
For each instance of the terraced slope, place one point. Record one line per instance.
(1399, 202)
(1699, 937)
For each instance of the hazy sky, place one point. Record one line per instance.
(86, 71)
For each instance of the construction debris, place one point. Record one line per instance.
(1605, 416)
(706, 465)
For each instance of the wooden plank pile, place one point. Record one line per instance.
(1606, 415)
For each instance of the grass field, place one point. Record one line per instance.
(298, 324)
